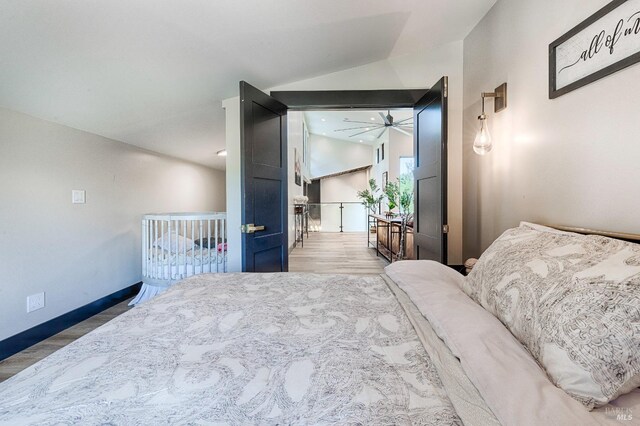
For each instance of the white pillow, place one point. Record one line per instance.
(572, 300)
(173, 243)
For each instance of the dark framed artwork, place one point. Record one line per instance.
(297, 168)
(377, 155)
(382, 152)
(385, 179)
(606, 42)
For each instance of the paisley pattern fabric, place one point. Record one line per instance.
(241, 349)
(573, 301)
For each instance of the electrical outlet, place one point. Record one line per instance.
(35, 302)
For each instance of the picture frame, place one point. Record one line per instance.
(382, 152)
(385, 179)
(377, 155)
(297, 168)
(604, 43)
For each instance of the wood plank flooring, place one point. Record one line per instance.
(330, 253)
(336, 253)
(18, 362)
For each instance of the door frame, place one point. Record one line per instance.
(306, 100)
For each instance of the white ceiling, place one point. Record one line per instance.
(152, 73)
(332, 123)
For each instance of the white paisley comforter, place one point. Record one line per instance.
(241, 349)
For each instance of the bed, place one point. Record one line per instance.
(179, 245)
(412, 346)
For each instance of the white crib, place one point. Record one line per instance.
(179, 245)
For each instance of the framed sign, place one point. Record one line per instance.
(604, 43)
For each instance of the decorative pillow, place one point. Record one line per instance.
(572, 300)
(173, 244)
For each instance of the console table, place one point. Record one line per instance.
(301, 223)
(388, 232)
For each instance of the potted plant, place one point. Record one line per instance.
(392, 192)
(400, 194)
(405, 204)
(371, 198)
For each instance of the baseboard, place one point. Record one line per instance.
(30, 337)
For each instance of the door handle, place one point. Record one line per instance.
(251, 228)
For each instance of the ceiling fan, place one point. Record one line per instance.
(387, 123)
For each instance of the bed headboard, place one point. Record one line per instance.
(634, 238)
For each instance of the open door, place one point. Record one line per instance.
(430, 152)
(263, 135)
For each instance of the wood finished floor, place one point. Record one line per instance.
(330, 253)
(336, 253)
(18, 362)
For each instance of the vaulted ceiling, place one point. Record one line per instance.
(358, 126)
(152, 73)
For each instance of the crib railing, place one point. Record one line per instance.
(179, 245)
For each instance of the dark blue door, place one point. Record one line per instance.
(263, 134)
(430, 152)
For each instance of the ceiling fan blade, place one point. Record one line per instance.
(346, 120)
(366, 131)
(384, 118)
(381, 133)
(402, 131)
(355, 128)
(402, 121)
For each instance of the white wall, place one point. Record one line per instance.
(396, 145)
(400, 145)
(379, 168)
(234, 184)
(418, 70)
(344, 189)
(78, 253)
(572, 160)
(329, 155)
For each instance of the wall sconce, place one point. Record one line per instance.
(483, 142)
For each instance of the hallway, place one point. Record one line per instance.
(336, 253)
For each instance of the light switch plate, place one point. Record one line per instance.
(78, 196)
(35, 302)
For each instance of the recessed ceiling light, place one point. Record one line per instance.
(368, 129)
(372, 119)
(324, 119)
(222, 153)
(361, 140)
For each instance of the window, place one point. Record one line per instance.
(407, 164)
(377, 155)
(382, 153)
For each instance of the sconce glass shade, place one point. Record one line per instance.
(483, 142)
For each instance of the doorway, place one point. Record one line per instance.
(264, 180)
(341, 152)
